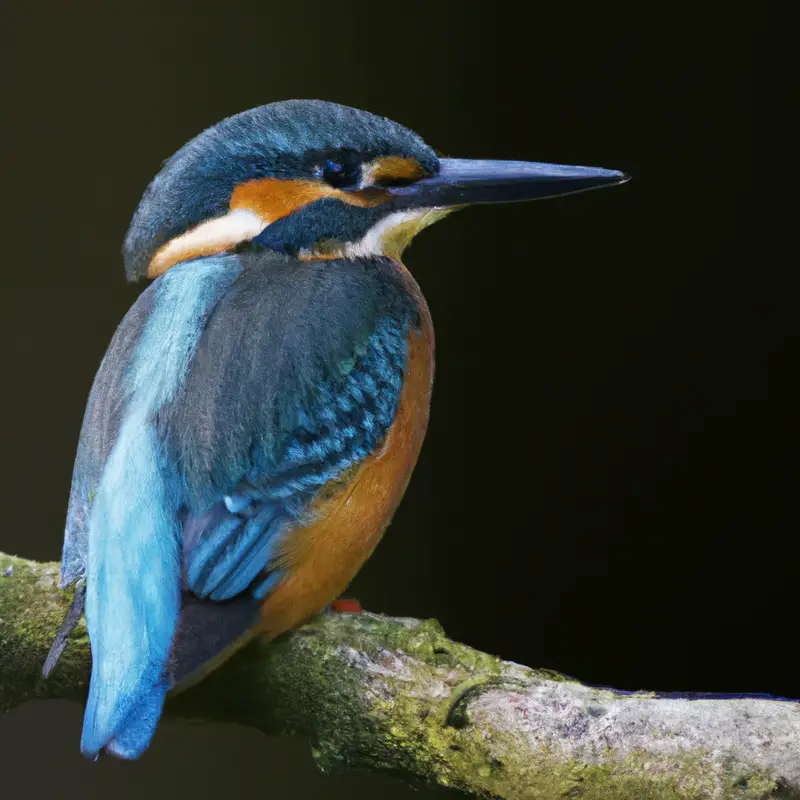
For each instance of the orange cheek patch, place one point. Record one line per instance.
(253, 205)
(272, 198)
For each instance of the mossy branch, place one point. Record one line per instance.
(396, 694)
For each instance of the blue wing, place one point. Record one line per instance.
(295, 381)
(101, 424)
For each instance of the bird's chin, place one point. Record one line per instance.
(388, 238)
(395, 232)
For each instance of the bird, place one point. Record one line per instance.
(256, 418)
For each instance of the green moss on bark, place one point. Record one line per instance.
(392, 694)
(31, 609)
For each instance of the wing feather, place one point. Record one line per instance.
(295, 381)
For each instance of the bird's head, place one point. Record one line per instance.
(318, 180)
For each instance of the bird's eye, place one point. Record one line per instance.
(340, 175)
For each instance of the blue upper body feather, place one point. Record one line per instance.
(234, 390)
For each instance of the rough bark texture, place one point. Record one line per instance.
(396, 694)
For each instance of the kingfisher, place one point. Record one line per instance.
(257, 416)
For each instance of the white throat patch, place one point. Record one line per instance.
(394, 233)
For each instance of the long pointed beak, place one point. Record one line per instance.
(463, 181)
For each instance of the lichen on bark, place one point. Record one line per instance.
(396, 694)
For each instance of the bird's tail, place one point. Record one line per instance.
(132, 595)
(209, 633)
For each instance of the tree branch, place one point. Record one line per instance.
(396, 694)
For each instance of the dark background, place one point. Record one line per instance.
(608, 487)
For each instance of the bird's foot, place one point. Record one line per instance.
(346, 605)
